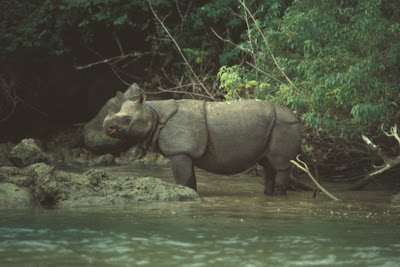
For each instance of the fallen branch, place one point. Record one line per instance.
(389, 162)
(306, 170)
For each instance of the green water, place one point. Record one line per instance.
(233, 225)
(173, 235)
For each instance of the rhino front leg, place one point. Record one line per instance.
(183, 171)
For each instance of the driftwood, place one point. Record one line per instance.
(306, 170)
(389, 162)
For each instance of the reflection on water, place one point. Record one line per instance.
(234, 225)
(127, 235)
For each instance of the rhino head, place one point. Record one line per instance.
(133, 122)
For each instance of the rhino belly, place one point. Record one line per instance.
(227, 161)
(237, 136)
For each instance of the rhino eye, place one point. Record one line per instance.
(126, 119)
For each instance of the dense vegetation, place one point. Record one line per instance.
(337, 63)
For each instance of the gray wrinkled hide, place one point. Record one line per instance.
(237, 135)
(186, 131)
(220, 137)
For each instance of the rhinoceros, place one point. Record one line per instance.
(219, 137)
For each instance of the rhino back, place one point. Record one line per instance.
(237, 134)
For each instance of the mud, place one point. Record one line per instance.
(241, 196)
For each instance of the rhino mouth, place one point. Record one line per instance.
(112, 132)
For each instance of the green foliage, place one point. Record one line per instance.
(50, 25)
(238, 83)
(343, 58)
(231, 81)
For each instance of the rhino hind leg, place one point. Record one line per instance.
(281, 182)
(183, 171)
(283, 145)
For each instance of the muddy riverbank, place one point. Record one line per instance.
(241, 195)
(234, 224)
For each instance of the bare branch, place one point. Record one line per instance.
(389, 161)
(8, 98)
(113, 60)
(306, 170)
(263, 72)
(251, 41)
(174, 90)
(393, 133)
(119, 44)
(180, 52)
(180, 14)
(266, 44)
(230, 42)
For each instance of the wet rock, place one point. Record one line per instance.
(66, 145)
(103, 160)
(49, 187)
(131, 155)
(396, 199)
(93, 132)
(137, 155)
(27, 152)
(13, 196)
(17, 176)
(153, 158)
(151, 189)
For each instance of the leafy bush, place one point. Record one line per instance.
(335, 62)
(341, 56)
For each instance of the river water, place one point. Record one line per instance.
(233, 225)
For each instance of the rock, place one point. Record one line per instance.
(16, 176)
(153, 158)
(396, 199)
(138, 156)
(103, 160)
(152, 189)
(93, 132)
(49, 187)
(65, 145)
(13, 196)
(27, 152)
(5, 149)
(131, 155)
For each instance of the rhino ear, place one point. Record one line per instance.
(142, 98)
(121, 97)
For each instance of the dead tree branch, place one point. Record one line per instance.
(389, 162)
(208, 93)
(114, 60)
(306, 170)
(232, 43)
(266, 43)
(8, 98)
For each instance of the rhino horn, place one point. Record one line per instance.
(121, 97)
